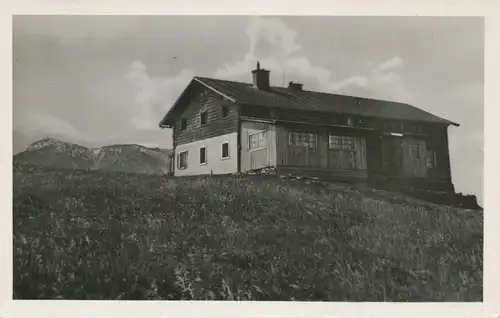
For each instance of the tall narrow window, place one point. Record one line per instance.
(204, 117)
(203, 155)
(182, 160)
(184, 124)
(225, 111)
(431, 159)
(257, 140)
(302, 139)
(414, 152)
(225, 150)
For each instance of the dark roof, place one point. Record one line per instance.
(281, 97)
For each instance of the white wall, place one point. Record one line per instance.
(215, 163)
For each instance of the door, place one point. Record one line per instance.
(258, 149)
(392, 156)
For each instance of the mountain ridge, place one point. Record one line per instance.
(55, 153)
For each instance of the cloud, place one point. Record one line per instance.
(274, 45)
(380, 81)
(154, 96)
(389, 64)
(44, 125)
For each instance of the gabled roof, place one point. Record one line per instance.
(286, 98)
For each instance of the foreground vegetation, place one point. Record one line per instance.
(99, 235)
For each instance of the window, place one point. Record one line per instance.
(225, 150)
(431, 159)
(350, 121)
(347, 143)
(184, 124)
(335, 142)
(182, 160)
(302, 139)
(203, 155)
(204, 117)
(415, 152)
(225, 111)
(340, 142)
(257, 140)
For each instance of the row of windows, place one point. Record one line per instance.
(204, 118)
(310, 140)
(182, 157)
(403, 127)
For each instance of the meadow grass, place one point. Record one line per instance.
(110, 235)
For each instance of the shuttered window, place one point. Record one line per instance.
(204, 117)
(184, 124)
(225, 111)
(340, 142)
(225, 150)
(257, 140)
(182, 160)
(203, 155)
(303, 139)
(431, 159)
(415, 152)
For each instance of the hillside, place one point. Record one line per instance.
(81, 234)
(54, 153)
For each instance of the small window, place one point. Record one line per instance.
(302, 139)
(203, 155)
(340, 142)
(257, 140)
(415, 152)
(335, 142)
(225, 111)
(182, 158)
(431, 159)
(184, 124)
(204, 117)
(225, 150)
(350, 121)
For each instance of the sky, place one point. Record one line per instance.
(100, 80)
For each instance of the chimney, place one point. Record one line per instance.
(295, 86)
(260, 78)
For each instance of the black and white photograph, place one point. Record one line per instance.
(248, 158)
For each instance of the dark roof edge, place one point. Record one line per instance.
(443, 122)
(161, 124)
(196, 78)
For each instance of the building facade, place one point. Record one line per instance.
(224, 127)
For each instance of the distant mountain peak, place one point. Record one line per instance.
(48, 142)
(123, 157)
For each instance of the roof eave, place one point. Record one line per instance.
(199, 80)
(164, 122)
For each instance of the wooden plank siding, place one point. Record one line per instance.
(398, 159)
(262, 157)
(337, 164)
(216, 125)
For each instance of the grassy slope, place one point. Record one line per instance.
(99, 235)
